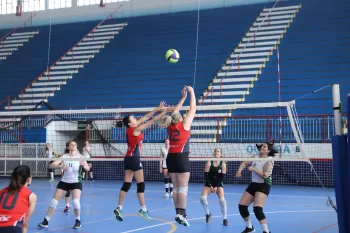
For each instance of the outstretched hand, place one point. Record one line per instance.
(189, 88)
(184, 92)
(170, 108)
(162, 105)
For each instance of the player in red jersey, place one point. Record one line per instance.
(17, 202)
(132, 160)
(179, 131)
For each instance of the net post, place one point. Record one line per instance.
(336, 108)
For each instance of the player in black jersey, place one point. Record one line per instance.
(214, 174)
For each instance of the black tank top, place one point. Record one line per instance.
(214, 172)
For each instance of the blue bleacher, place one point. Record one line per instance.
(313, 54)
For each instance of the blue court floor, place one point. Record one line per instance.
(288, 210)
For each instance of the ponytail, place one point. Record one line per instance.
(19, 178)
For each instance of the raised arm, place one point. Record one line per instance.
(192, 111)
(144, 126)
(182, 100)
(243, 165)
(32, 204)
(150, 114)
(57, 164)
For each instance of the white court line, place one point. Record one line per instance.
(220, 216)
(199, 192)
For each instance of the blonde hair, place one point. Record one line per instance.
(166, 120)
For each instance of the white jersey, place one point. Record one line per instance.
(49, 153)
(74, 172)
(259, 164)
(87, 152)
(164, 153)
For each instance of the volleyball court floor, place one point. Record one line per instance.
(288, 210)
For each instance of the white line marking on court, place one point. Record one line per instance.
(219, 216)
(199, 192)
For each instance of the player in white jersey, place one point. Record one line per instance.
(164, 169)
(87, 154)
(71, 180)
(259, 188)
(49, 154)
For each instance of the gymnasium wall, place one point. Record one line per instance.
(131, 8)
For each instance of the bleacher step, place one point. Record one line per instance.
(214, 123)
(108, 29)
(94, 42)
(72, 62)
(285, 12)
(203, 140)
(281, 8)
(36, 95)
(42, 89)
(242, 67)
(205, 131)
(223, 100)
(74, 57)
(260, 54)
(83, 52)
(232, 80)
(240, 61)
(28, 101)
(88, 47)
(13, 41)
(238, 73)
(226, 93)
(257, 38)
(274, 17)
(253, 44)
(65, 67)
(37, 84)
(113, 25)
(21, 107)
(61, 72)
(263, 33)
(47, 78)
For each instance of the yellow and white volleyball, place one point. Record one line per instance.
(172, 56)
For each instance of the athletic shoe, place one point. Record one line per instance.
(166, 195)
(144, 214)
(77, 224)
(207, 218)
(184, 221)
(67, 209)
(225, 222)
(45, 223)
(52, 180)
(171, 194)
(247, 230)
(118, 214)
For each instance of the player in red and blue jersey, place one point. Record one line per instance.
(132, 159)
(17, 202)
(179, 132)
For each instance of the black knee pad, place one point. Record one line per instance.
(166, 180)
(243, 210)
(170, 180)
(90, 169)
(126, 186)
(141, 187)
(68, 193)
(259, 213)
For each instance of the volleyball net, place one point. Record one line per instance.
(304, 148)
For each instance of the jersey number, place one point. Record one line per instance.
(70, 164)
(174, 134)
(4, 199)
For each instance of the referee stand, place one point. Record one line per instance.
(341, 163)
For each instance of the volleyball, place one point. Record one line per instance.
(172, 56)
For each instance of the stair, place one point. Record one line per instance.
(237, 76)
(12, 42)
(66, 67)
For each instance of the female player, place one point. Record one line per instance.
(49, 154)
(179, 130)
(132, 160)
(71, 180)
(259, 189)
(163, 169)
(87, 154)
(67, 196)
(214, 174)
(17, 202)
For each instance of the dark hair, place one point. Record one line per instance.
(270, 147)
(125, 122)
(19, 177)
(66, 149)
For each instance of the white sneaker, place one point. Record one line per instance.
(166, 195)
(171, 194)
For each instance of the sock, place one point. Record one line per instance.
(51, 173)
(183, 212)
(171, 187)
(177, 210)
(223, 207)
(67, 204)
(143, 208)
(264, 227)
(166, 190)
(204, 202)
(120, 207)
(248, 223)
(47, 218)
(78, 218)
(166, 184)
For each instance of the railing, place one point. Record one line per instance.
(71, 49)
(2, 39)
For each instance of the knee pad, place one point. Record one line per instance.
(243, 210)
(126, 186)
(76, 204)
(204, 200)
(175, 190)
(141, 187)
(222, 202)
(53, 203)
(68, 193)
(259, 213)
(183, 190)
(170, 180)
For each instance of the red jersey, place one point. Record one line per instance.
(179, 138)
(14, 207)
(134, 142)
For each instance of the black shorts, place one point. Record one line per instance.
(69, 186)
(11, 229)
(258, 187)
(50, 169)
(178, 162)
(214, 185)
(132, 163)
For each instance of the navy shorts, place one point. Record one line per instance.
(11, 229)
(132, 163)
(258, 187)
